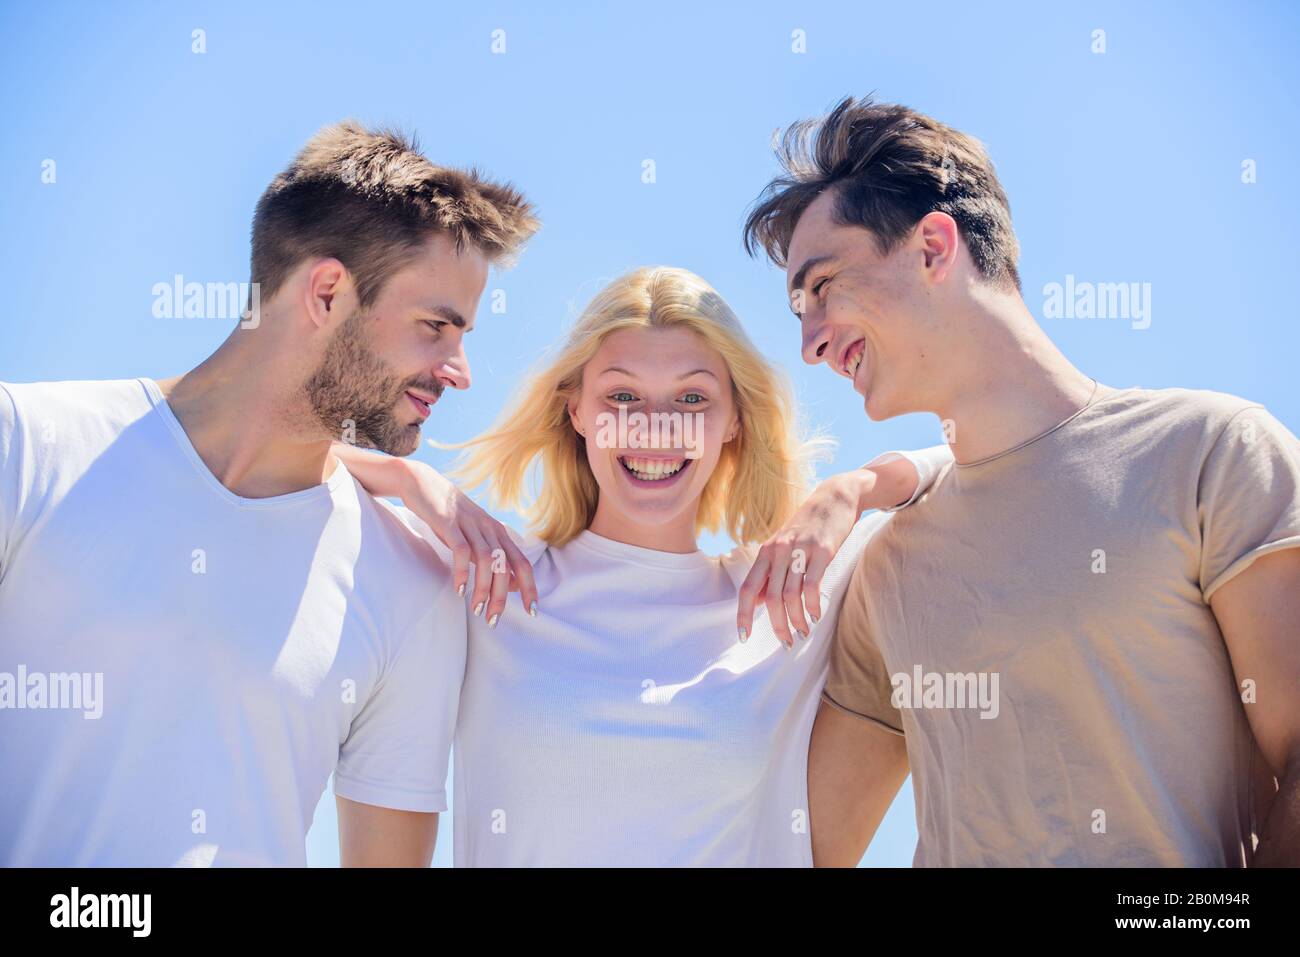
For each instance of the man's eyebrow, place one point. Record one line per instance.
(802, 274)
(448, 313)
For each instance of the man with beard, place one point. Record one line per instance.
(191, 554)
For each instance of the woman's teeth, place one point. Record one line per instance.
(652, 470)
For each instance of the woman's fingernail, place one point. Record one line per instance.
(743, 634)
(492, 622)
(461, 589)
(532, 609)
(802, 636)
(478, 608)
(814, 619)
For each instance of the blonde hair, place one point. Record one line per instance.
(762, 475)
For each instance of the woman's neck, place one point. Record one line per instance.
(676, 536)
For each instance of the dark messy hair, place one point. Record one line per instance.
(889, 166)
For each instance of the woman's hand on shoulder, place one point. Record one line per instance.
(474, 538)
(787, 573)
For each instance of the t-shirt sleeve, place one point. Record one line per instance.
(928, 464)
(858, 680)
(398, 747)
(1248, 499)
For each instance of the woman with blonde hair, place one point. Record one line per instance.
(624, 721)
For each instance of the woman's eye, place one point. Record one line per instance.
(623, 397)
(693, 398)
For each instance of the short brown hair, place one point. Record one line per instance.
(890, 166)
(368, 198)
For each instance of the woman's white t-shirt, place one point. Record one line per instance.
(626, 725)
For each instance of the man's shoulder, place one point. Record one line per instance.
(106, 401)
(78, 393)
(400, 556)
(410, 542)
(412, 524)
(863, 534)
(56, 430)
(1177, 409)
(740, 559)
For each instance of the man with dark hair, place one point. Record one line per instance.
(227, 616)
(1083, 637)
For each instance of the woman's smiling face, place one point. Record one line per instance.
(652, 461)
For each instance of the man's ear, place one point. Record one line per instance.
(940, 241)
(327, 282)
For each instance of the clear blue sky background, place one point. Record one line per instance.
(1121, 167)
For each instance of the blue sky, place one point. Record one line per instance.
(1122, 167)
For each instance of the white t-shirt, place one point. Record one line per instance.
(628, 725)
(214, 657)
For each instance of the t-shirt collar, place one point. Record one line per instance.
(164, 411)
(638, 555)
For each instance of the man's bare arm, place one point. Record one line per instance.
(855, 768)
(371, 836)
(1259, 615)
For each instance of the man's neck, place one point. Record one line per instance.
(245, 425)
(1018, 386)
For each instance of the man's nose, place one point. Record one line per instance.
(816, 340)
(454, 371)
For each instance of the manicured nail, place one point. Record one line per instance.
(814, 619)
(492, 622)
(478, 608)
(801, 635)
(532, 609)
(743, 634)
(461, 589)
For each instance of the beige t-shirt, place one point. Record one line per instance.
(1038, 627)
